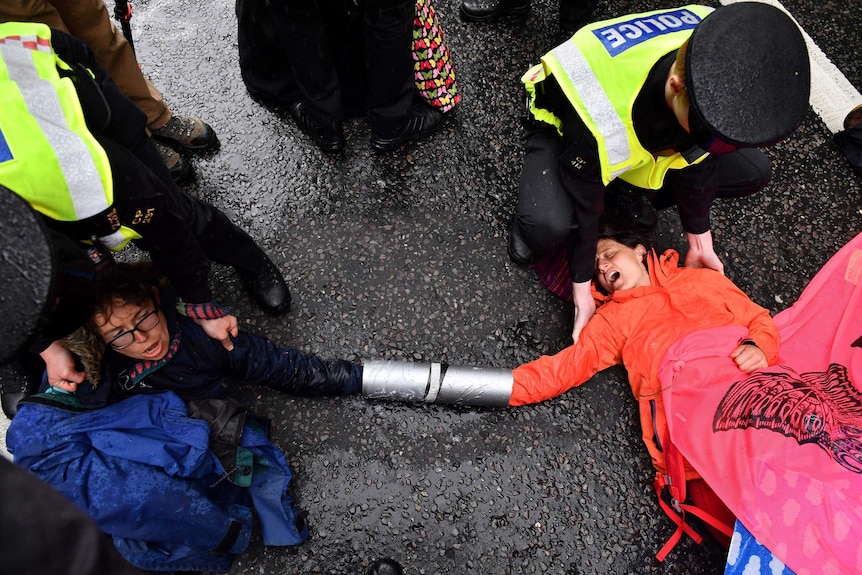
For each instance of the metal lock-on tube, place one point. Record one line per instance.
(436, 383)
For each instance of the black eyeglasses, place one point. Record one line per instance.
(127, 338)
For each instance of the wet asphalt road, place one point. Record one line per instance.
(402, 256)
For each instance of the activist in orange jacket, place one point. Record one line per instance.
(646, 303)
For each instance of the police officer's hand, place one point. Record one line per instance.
(701, 254)
(221, 329)
(585, 307)
(60, 366)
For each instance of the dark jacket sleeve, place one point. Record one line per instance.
(257, 360)
(695, 189)
(145, 196)
(582, 180)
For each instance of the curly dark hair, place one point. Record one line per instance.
(133, 284)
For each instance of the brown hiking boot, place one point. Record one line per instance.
(188, 132)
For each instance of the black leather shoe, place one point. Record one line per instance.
(385, 567)
(575, 14)
(422, 120)
(329, 137)
(630, 204)
(518, 250)
(483, 10)
(268, 288)
(15, 385)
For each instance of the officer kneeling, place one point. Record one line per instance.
(77, 150)
(671, 102)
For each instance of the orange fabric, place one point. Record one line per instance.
(636, 327)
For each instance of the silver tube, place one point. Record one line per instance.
(435, 383)
(476, 386)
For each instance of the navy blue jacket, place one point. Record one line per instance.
(201, 366)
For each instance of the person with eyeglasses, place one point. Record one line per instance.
(152, 446)
(136, 341)
(646, 111)
(77, 150)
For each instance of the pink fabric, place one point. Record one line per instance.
(553, 273)
(783, 446)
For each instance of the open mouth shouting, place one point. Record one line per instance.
(153, 351)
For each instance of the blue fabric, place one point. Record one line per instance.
(747, 556)
(144, 471)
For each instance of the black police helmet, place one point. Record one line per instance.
(48, 280)
(748, 76)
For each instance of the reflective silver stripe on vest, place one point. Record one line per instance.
(596, 101)
(81, 174)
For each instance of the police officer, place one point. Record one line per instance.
(77, 150)
(48, 284)
(671, 101)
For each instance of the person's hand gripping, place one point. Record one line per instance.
(585, 307)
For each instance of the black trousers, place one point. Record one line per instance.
(553, 202)
(349, 58)
(182, 234)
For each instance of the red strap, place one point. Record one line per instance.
(675, 466)
(678, 517)
(710, 519)
(674, 481)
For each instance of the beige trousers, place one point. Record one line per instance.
(89, 20)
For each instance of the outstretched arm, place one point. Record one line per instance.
(257, 360)
(598, 348)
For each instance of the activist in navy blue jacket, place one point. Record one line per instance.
(195, 366)
(149, 445)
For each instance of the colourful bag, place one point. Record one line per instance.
(435, 75)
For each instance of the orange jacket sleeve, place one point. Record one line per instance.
(761, 328)
(598, 348)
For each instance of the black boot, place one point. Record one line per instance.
(518, 250)
(384, 567)
(483, 10)
(575, 14)
(329, 137)
(267, 287)
(16, 383)
(226, 244)
(630, 204)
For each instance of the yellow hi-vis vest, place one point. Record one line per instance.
(601, 70)
(47, 154)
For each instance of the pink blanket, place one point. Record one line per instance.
(783, 446)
